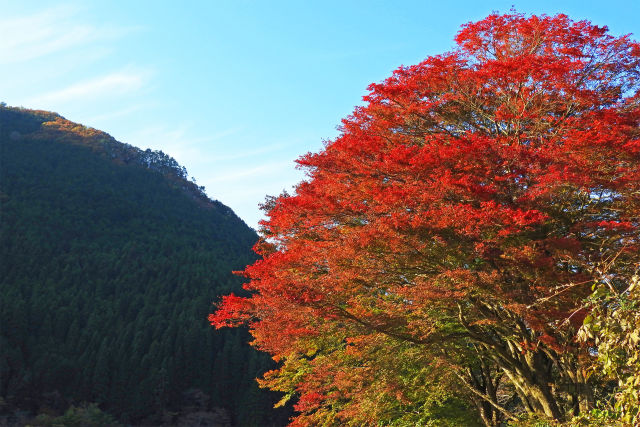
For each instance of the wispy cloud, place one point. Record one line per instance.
(50, 31)
(178, 141)
(115, 114)
(265, 169)
(242, 154)
(114, 84)
(223, 134)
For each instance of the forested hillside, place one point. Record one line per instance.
(109, 262)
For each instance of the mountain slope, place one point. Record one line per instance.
(110, 260)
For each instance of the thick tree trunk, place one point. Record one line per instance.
(529, 369)
(483, 383)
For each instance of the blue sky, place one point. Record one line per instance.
(234, 90)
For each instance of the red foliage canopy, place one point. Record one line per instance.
(473, 199)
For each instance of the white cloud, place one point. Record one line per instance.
(57, 58)
(179, 141)
(114, 84)
(105, 117)
(53, 30)
(222, 134)
(262, 170)
(172, 140)
(242, 154)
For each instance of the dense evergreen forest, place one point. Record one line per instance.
(110, 260)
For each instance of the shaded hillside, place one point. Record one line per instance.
(109, 261)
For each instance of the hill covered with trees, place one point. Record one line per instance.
(110, 260)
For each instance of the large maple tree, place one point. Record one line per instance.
(449, 235)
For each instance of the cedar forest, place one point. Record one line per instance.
(110, 261)
(466, 252)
